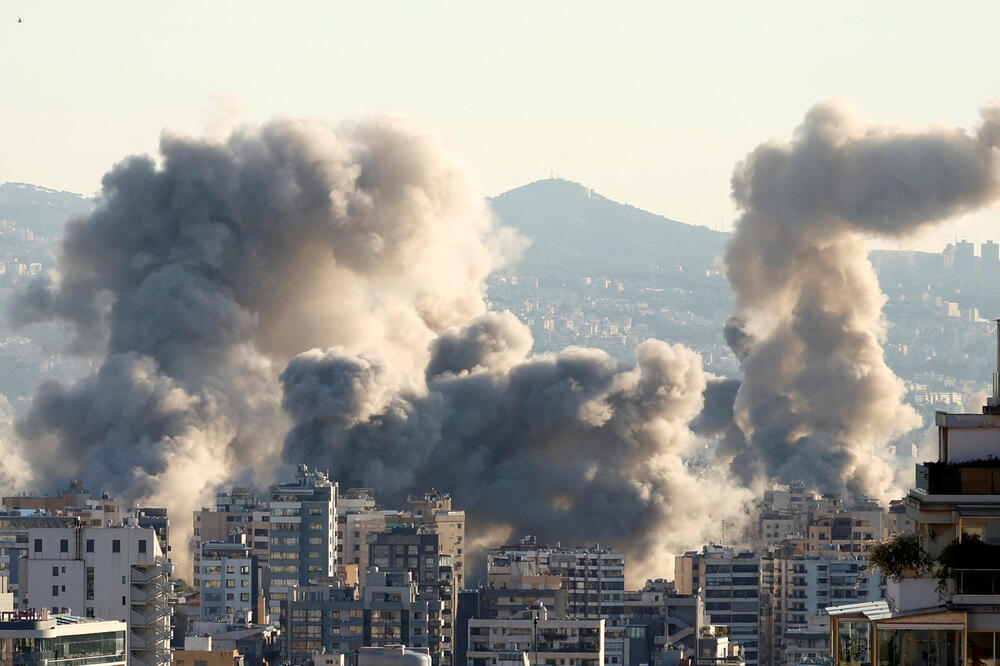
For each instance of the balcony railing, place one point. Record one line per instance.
(972, 478)
(980, 582)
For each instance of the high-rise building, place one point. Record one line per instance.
(237, 511)
(433, 510)
(965, 258)
(730, 583)
(303, 535)
(114, 573)
(229, 585)
(989, 259)
(800, 588)
(414, 550)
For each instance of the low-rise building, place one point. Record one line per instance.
(198, 652)
(536, 640)
(36, 638)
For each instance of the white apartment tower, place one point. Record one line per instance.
(111, 573)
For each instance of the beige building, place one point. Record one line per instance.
(434, 511)
(198, 652)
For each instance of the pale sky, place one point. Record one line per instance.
(649, 103)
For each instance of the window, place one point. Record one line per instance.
(55, 571)
(55, 590)
(63, 545)
(116, 546)
(123, 600)
(38, 545)
(90, 545)
(142, 545)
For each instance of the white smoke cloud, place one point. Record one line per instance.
(818, 403)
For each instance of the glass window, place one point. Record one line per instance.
(116, 546)
(919, 647)
(981, 649)
(142, 545)
(854, 643)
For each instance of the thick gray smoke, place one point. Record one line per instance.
(818, 402)
(198, 278)
(572, 446)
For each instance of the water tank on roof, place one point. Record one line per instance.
(394, 655)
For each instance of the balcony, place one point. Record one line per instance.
(978, 477)
(976, 587)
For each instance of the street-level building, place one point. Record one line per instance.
(37, 638)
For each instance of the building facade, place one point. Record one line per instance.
(112, 573)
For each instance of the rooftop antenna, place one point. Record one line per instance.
(993, 403)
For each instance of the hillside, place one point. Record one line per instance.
(574, 229)
(40, 209)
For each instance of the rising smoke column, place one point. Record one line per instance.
(818, 402)
(196, 279)
(573, 446)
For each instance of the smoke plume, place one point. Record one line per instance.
(818, 402)
(572, 446)
(197, 278)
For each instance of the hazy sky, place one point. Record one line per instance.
(650, 103)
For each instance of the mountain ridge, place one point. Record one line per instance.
(574, 228)
(41, 209)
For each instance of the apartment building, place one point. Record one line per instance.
(729, 582)
(14, 542)
(303, 548)
(800, 588)
(113, 573)
(237, 511)
(415, 550)
(76, 500)
(229, 583)
(841, 534)
(433, 511)
(536, 639)
(336, 619)
(353, 531)
(593, 577)
(952, 618)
